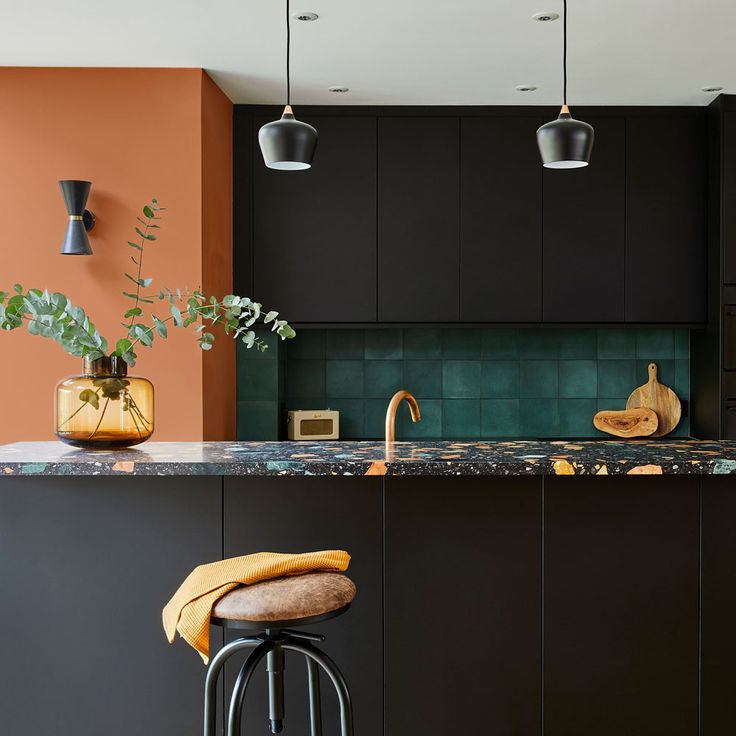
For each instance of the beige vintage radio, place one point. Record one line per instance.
(313, 425)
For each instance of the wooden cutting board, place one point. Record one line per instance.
(661, 399)
(627, 423)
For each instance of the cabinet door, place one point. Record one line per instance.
(666, 161)
(463, 606)
(86, 566)
(283, 514)
(501, 221)
(315, 230)
(621, 606)
(584, 233)
(728, 197)
(718, 705)
(418, 219)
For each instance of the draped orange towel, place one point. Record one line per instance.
(190, 608)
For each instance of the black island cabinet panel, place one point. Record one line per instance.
(463, 606)
(666, 161)
(87, 564)
(621, 606)
(584, 233)
(500, 220)
(281, 514)
(418, 219)
(718, 685)
(315, 230)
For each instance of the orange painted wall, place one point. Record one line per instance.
(136, 134)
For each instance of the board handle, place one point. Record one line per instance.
(652, 368)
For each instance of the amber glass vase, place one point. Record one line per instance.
(104, 407)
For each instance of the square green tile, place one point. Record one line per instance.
(374, 418)
(384, 344)
(258, 380)
(580, 343)
(460, 419)
(307, 344)
(459, 343)
(682, 379)
(500, 379)
(305, 378)
(616, 344)
(345, 344)
(538, 344)
(430, 426)
(682, 343)
(539, 418)
(423, 378)
(655, 343)
(461, 379)
(420, 342)
(538, 379)
(576, 417)
(616, 378)
(352, 413)
(500, 418)
(306, 403)
(665, 371)
(258, 420)
(499, 344)
(578, 379)
(344, 379)
(615, 404)
(383, 378)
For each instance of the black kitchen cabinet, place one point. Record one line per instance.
(727, 171)
(584, 232)
(418, 219)
(501, 220)
(621, 606)
(463, 606)
(718, 705)
(314, 231)
(87, 564)
(302, 514)
(666, 162)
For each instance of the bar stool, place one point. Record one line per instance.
(269, 610)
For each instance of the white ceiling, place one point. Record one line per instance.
(394, 52)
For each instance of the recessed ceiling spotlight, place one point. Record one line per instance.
(525, 88)
(546, 16)
(338, 89)
(711, 88)
(305, 16)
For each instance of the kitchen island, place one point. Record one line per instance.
(578, 587)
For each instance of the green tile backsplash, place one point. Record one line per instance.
(470, 383)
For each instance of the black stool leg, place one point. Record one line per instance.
(338, 681)
(234, 714)
(210, 685)
(315, 705)
(275, 669)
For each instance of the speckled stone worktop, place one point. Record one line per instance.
(518, 457)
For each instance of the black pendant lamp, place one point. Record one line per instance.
(565, 143)
(287, 144)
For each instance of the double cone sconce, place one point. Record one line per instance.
(565, 143)
(81, 221)
(287, 144)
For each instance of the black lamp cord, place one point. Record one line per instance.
(288, 50)
(564, 52)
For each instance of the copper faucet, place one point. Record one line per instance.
(393, 405)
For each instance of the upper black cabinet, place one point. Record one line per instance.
(418, 219)
(584, 231)
(501, 220)
(666, 188)
(314, 250)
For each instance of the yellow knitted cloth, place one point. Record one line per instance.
(190, 608)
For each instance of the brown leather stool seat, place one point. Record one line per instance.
(286, 600)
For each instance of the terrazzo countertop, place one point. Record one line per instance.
(520, 457)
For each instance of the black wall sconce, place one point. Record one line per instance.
(81, 221)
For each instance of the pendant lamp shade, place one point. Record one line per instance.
(565, 143)
(287, 144)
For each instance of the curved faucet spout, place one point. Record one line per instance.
(393, 405)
